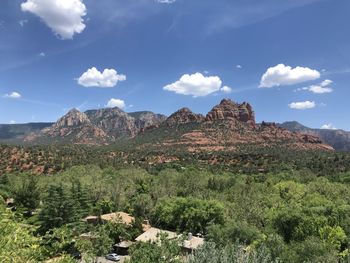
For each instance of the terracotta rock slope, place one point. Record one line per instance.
(227, 126)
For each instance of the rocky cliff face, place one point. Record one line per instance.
(229, 110)
(115, 122)
(71, 119)
(74, 127)
(146, 119)
(184, 116)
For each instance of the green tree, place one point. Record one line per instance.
(165, 252)
(58, 209)
(28, 194)
(17, 242)
(188, 214)
(231, 253)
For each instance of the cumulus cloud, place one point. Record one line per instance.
(326, 82)
(13, 95)
(106, 79)
(166, 1)
(238, 66)
(328, 126)
(42, 54)
(321, 88)
(195, 85)
(282, 75)
(116, 103)
(302, 105)
(64, 17)
(226, 89)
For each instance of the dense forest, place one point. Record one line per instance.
(270, 206)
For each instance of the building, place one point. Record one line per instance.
(116, 217)
(122, 248)
(192, 243)
(153, 235)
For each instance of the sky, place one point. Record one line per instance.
(289, 59)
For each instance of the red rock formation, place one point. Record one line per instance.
(229, 110)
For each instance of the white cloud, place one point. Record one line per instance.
(238, 66)
(301, 89)
(303, 105)
(64, 17)
(319, 89)
(116, 103)
(226, 89)
(13, 95)
(166, 1)
(12, 122)
(106, 79)
(328, 126)
(22, 22)
(42, 54)
(281, 75)
(326, 82)
(195, 85)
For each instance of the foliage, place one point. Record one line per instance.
(188, 214)
(168, 251)
(28, 194)
(253, 205)
(17, 242)
(233, 253)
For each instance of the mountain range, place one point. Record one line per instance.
(226, 127)
(338, 139)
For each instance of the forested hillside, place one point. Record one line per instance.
(271, 206)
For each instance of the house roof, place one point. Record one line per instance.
(90, 218)
(124, 244)
(88, 235)
(193, 243)
(122, 217)
(153, 235)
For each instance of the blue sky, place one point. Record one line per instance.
(290, 59)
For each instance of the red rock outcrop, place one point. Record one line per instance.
(229, 110)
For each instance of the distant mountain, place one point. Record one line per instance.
(95, 127)
(74, 127)
(227, 127)
(338, 139)
(17, 132)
